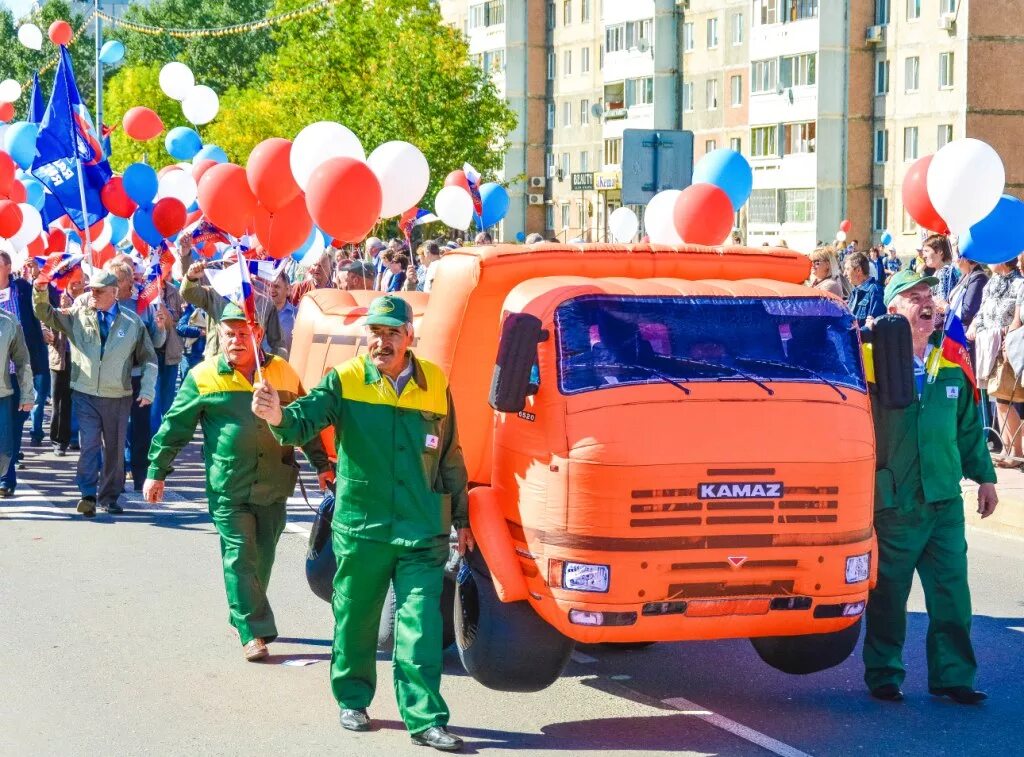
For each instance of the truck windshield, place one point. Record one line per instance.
(609, 340)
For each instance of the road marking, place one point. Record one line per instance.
(736, 729)
(583, 658)
(297, 529)
(1016, 628)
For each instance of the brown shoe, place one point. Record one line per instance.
(255, 650)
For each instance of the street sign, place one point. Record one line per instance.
(653, 160)
(581, 181)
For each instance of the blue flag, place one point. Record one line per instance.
(36, 108)
(67, 142)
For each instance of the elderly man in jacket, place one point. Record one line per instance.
(12, 352)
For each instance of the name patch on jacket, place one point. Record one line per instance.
(741, 490)
(952, 392)
(432, 441)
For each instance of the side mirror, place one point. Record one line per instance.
(893, 352)
(517, 355)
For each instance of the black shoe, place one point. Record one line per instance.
(5, 493)
(21, 456)
(37, 441)
(887, 692)
(355, 720)
(960, 694)
(113, 508)
(87, 507)
(74, 447)
(60, 451)
(439, 738)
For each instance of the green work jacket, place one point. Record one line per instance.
(245, 464)
(401, 476)
(926, 449)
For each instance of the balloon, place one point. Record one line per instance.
(140, 183)
(997, 237)
(10, 218)
(886, 238)
(494, 199)
(176, 80)
(31, 227)
(142, 224)
(658, 218)
(270, 175)
(840, 236)
(57, 241)
(845, 225)
(119, 228)
(703, 214)
(202, 167)
(285, 231)
(520, 237)
(312, 249)
(60, 32)
(623, 224)
(727, 170)
(35, 193)
(142, 124)
(116, 200)
(6, 112)
(457, 179)
(180, 185)
(318, 143)
(100, 234)
(10, 90)
(31, 36)
(454, 207)
(403, 174)
(169, 216)
(7, 172)
(200, 105)
(37, 246)
(916, 200)
(226, 199)
(210, 152)
(20, 143)
(112, 52)
(183, 143)
(343, 197)
(965, 181)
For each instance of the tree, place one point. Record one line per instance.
(138, 85)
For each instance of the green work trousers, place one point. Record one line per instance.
(248, 542)
(930, 538)
(364, 570)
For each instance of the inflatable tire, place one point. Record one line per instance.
(386, 628)
(504, 646)
(802, 655)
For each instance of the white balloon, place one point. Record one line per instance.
(176, 80)
(31, 36)
(658, 218)
(320, 142)
(965, 181)
(200, 105)
(102, 239)
(180, 185)
(454, 207)
(840, 236)
(623, 224)
(403, 174)
(10, 91)
(316, 251)
(31, 226)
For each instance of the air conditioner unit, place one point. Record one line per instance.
(537, 182)
(875, 35)
(536, 199)
(947, 22)
(642, 45)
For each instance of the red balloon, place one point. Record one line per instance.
(7, 172)
(60, 32)
(270, 174)
(916, 200)
(845, 225)
(202, 167)
(192, 217)
(37, 246)
(344, 198)
(142, 124)
(17, 192)
(101, 257)
(457, 179)
(116, 200)
(703, 215)
(285, 231)
(140, 244)
(226, 199)
(169, 215)
(10, 218)
(58, 241)
(6, 112)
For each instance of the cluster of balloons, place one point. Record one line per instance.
(20, 221)
(703, 213)
(454, 202)
(199, 103)
(31, 36)
(158, 205)
(845, 227)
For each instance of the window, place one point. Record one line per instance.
(688, 37)
(945, 135)
(882, 77)
(688, 97)
(764, 206)
(581, 215)
(476, 16)
(709, 145)
(711, 94)
(881, 145)
(947, 7)
(737, 28)
(913, 10)
(763, 76)
(910, 143)
(735, 143)
(799, 138)
(494, 60)
(567, 12)
(565, 215)
(615, 96)
(881, 12)
(585, 60)
(615, 38)
(735, 91)
(584, 112)
(551, 115)
(639, 31)
(551, 15)
(911, 74)
(798, 205)
(584, 161)
(549, 217)
(551, 66)
(566, 113)
(712, 33)
(766, 12)
(585, 11)
(880, 214)
(798, 70)
(565, 166)
(613, 151)
(639, 91)
(909, 224)
(945, 70)
(567, 63)
(550, 163)
(797, 10)
(763, 142)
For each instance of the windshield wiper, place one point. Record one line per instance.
(667, 379)
(720, 367)
(781, 364)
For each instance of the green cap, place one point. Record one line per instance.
(232, 312)
(388, 311)
(904, 280)
(101, 279)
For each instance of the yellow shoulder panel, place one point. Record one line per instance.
(869, 362)
(435, 398)
(209, 379)
(281, 375)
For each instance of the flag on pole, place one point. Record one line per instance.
(954, 350)
(473, 179)
(36, 108)
(152, 291)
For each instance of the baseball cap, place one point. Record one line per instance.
(360, 267)
(388, 311)
(904, 280)
(232, 312)
(101, 279)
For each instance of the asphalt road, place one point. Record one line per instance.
(116, 642)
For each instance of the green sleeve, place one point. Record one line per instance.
(454, 478)
(45, 312)
(975, 459)
(176, 430)
(307, 416)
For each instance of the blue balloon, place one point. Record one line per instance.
(494, 199)
(183, 143)
(112, 52)
(142, 222)
(35, 193)
(210, 152)
(520, 237)
(140, 183)
(20, 143)
(118, 228)
(886, 239)
(999, 236)
(727, 170)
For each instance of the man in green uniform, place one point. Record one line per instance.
(924, 451)
(249, 475)
(401, 487)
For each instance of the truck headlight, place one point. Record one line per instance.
(578, 576)
(858, 568)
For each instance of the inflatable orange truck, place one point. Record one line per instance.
(665, 444)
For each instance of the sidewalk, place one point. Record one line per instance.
(1008, 518)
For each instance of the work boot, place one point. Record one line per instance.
(439, 738)
(255, 650)
(960, 694)
(87, 507)
(5, 493)
(113, 508)
(354, 720)
(887, 692)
